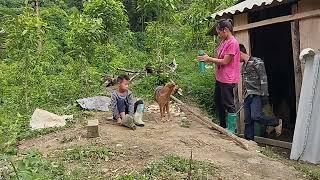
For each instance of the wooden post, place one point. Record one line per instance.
(93, 128)
(243, 37)
(296, 51)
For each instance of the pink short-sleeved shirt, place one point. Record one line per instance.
(229, 73)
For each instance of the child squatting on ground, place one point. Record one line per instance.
(123, 105)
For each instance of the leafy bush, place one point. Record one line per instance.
(50, 59)
(35, 166)
(112, 13)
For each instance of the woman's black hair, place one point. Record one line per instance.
(225, 23)
(242, 48)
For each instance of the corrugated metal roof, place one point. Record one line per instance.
(245, 5)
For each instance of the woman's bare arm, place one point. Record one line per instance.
(226, 60)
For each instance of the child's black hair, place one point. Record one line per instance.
(225, 23)
(123, 77)
(242, 48)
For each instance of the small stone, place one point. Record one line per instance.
(122, 155)
(119, 145)
(254, 161)
(135, 147)
(176, 114)
(105, 170)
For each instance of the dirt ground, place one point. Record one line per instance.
(155, 140)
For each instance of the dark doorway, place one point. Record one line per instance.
(273, 44)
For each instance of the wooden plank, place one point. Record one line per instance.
(308, 5)
(309, 26)
(243, 37)
(271, 142)
(298, 16)
(242, 143)
(296, 52)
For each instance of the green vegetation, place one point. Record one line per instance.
(173, 167)
(92, 153)
(53, 52)
(308, 170)
(34, 165)
(56, 51)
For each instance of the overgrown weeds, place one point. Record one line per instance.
(34, 166)
(173, 167)
(86, 153)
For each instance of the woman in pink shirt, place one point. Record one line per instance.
(227, 69)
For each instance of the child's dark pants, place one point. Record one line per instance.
(253, 112)
(124, 107)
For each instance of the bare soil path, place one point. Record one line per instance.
(155, 140)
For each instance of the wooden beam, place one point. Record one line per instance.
(271, 142)
(244, 38)
(296, 52)
(207, 121)
(298, 16)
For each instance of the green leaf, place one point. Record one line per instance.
(24, 32)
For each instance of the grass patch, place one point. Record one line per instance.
(67, 139)
(185, 123)
(267, 151)
(86, 153)
(309, 171)
(173, 167)
(33, 166)
(37, 133)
